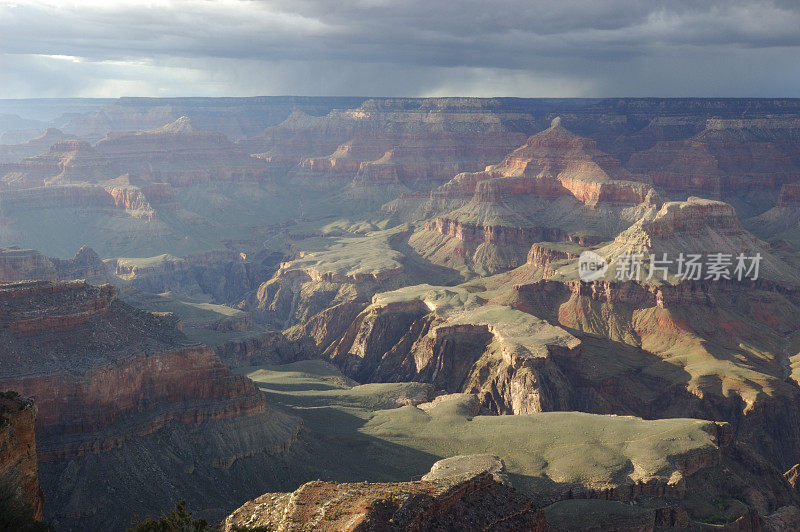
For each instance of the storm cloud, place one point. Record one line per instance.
(550, 48)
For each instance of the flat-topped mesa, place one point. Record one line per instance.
(543, 254)
(33, 307)
(18, 449)
(689, 217)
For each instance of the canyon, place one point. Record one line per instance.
(298, 301)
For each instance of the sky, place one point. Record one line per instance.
(525, 48)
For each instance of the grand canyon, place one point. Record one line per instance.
(370, 314)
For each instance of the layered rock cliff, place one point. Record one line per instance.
(21, 264)
(110, 379)
(556, 187)
(727, 157)
(18, 465)
(467, 502)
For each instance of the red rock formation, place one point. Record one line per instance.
(724, 158)
(418, 144)
(82, 414)
(419, 161)
(502, 235)
(68, 161)
(176, 153)
(476, 502)
(551, 164)
(18, 448)
(179, 154)
(119, 373)
(541, 255)
(690, 217)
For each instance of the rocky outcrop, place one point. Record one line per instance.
(465, 502)
(18, 463)
(543, 254)
(20, 264)
(504, 357)
(351, 270)
(690, 217)
(557, 187)
(35, 307)
(701, 320)
(83, 400)
(109, 379)
(497, 235)
(550, 164)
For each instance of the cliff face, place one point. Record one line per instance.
(557, 187)
(66, 161)
(176, 153)
(418, 161)
(21, 264)
(648, 326)
(153, 378)
(110, 379)
(727, 157)
(350, 270)
(503, 356)
(18, 449)
(179, 154)
(555, 162)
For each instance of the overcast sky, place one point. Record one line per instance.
(549, 48)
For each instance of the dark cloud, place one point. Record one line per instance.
(389, 47)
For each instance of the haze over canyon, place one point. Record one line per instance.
(351, 313)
